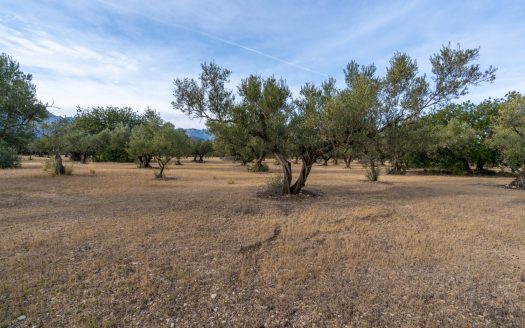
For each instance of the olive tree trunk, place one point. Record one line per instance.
(348, 161)
(59, 167)
(519, 182)
(306, 168)
(286, 166)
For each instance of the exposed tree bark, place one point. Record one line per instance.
(336, 161)
(519, 182)
(59, 167)
(258, 163)
(325, 160)
(144, 161)
(161, 172)
(287, 173)
(306, 167)
(162, 165)
(466, 165)
(480, 163)
(348, 161)
(201, 160)
(397, 168)
(83, 158)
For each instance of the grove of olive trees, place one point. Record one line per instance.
(405, 120)
(371, 117)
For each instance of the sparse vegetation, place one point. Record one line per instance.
(372, 171)
(8, 157)
(363, 117)
(361, 254)
(120, 248)
(274, 186)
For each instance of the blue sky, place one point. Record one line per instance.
(127, 53)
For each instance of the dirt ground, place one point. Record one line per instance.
(122, 249)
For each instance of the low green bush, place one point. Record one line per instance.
(8, 157)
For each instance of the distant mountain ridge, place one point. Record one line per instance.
(201, 134)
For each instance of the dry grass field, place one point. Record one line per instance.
(122, 249)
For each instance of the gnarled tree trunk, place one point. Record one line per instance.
(287, 173)
(518, 183)
(348, 161)
(144, 161)
(325, 160)
(59, 167)
(306, 167)
(397, 168)
(466, 165)
(258, 164)
(480, 164)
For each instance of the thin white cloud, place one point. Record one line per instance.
(211, 36)
(92, 53)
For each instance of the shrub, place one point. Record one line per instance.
(275, 186)
(457, 170)
(49, 165)
(8, 157)
(258, 168)
(372, 172)
(54, 167)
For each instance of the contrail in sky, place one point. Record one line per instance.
(213, 37)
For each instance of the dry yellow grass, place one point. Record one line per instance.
(120, 248)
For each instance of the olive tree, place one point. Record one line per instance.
(19, 106)
(509, 136)
(168, 143)
(324, 119)
(373, 110)
(265, 114)
(200, 148)
(140, 145)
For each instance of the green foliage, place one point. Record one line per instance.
(200, 148)
(371, 118)
(109, 129)
(206, 98)
(111, 145)
(55, 167)
(161, 141)
(509, 133)
(378, 118)
(96, 119)
(258, 168)
(8, 156)
(80, 144)
(274, 186)
(19, 106)
(40, 146)
(140, 143)
(56, 136)
(168, 143)
(372, 171)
